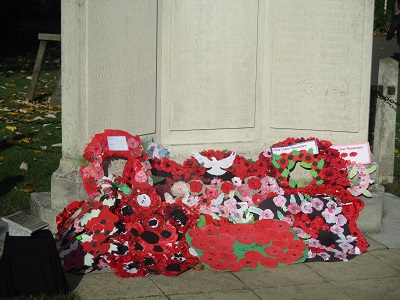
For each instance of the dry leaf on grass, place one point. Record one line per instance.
(24, 166)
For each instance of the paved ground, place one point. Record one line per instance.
(372, 275)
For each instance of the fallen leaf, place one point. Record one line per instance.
(57, 145)
(28, 190)
(26, 140)
(43, 147)
(11, 128)
(37, 151)
(24, 166)
(3, 157)
(50, 116)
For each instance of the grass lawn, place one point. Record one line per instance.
(30, 133)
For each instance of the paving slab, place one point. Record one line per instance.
(109, 286)
(390, 232)
(233, 295)
(389, 256)
(280, 276)
(206, 281)
(374, 245)
(372, 289)
(319, 291)
(364, 266)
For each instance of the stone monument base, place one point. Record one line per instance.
(41, 208)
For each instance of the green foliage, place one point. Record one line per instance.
(383, 18)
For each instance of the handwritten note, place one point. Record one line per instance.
(299, 146)
(359, 153)
(117, 143)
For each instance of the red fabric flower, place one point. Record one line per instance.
(269, 262)
(196, 186)
(226, 187)
(254, 183)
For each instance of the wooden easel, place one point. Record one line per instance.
(44, 38)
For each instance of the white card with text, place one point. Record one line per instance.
(360, 153)
(299, 146)
(117, 143)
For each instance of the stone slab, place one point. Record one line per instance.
(362, 267)
(324, 290)
(389, 256)
(227, 295)
(23, 224)
(332, 79)
(41, 207)
(109, 286)
(390, 232)
(280, 276)
(206, 281)
(370, 218)
(371, 289)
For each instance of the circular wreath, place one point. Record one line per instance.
(285, 163)
(96, 153)
(327, 167)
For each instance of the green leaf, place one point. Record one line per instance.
(320, 182)
(370, 170)
(366, 193)
(292, 184)
(295, 152)
(291, 165)
(310, 151)
(157, 179)
(305, 165)
(353, 172)
(276, 157)
(292, 198)
(275, 163)
(321, 164)
(314, 173)
(285, 173)
(280, 216)
(224, 151)
(301, 197)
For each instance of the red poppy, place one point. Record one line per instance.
(269, 262)
(211, 192)
(226, 238)
(282, 243)
(291, 256)
(168, 234)
(263, 224)
(205, 201)
(226, 187)
(343, 181)
(281, 225)
(248, 262)
(297, 245)
(274, 251)
(254, 255)
(258, 199)
(254, 183)
(196, 186)
(283, 161)
(246, 238)
(263, 237)
(200, 244)
(338, 163)
(210, 229)
(195, 233)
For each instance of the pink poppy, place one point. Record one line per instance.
(293, 208)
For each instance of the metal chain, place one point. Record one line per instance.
(393, 104)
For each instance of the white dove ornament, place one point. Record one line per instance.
(214, 166)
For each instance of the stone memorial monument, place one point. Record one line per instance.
(201, 74)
